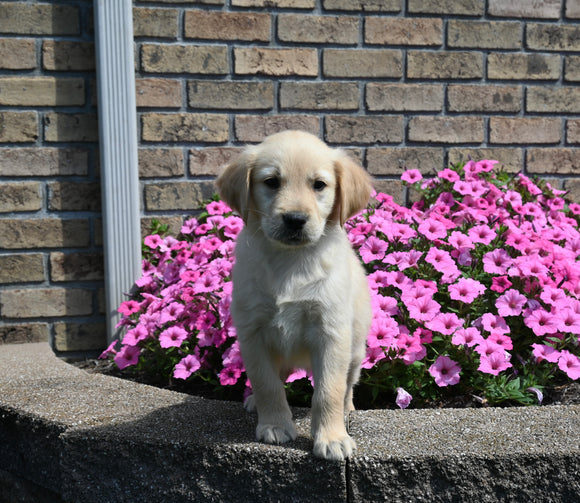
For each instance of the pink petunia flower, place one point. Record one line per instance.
(172, 337)
(459, 240)
(230, 375)
(449, 175)
(432, 229)
(373, 249)
(510, 303)
(467, 337)
(500, 284)
(482, 234)
(494, 363)
(545, 352)
(372, 357)
(496, 261)
(129, 307)
(568, 321)
(494, 324)
(541, 322)
(382, 332)
(466, 290)
(570, 364)
(444, 323)
(127, 356)
(186, 367)
(411, 176)
(445, 371)
(423, 308)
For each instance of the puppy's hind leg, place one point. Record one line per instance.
(275, 425)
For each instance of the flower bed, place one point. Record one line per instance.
(475, 292)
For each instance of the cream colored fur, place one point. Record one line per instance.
(300, 297)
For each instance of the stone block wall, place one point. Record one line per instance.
(401, 83)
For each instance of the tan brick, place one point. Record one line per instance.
(17, 54)
(177, 195)
(158, 93)
(42, 91)
(572, 9)
(45, 302)
(254, 128)
(553, 161)
(318, 29)
(22, 268)
(572, 188)
(573, 130)
(20, 196)
(363, 63)
(511, 159)
(151, 22)
(446, 129)
(553, 37)
(546, 9)
(403, 31)
(371, 129)
(394, 160)
(572, 69)
(76, 266)
(32, 161)
(197, 59)
(43, 233)
(282, 4)
(319, 96)
(484, 34)
(39, 19)
(74, 196)
(160, 162)
(460, 7)
(80, 336)
(363, 5)
(404, 97)
(215, 25)
(524, 130)
(484, 98)
(209, 161)
(24, 333)
(444, 65)
(211, 128)
(521, 66)
(553, 99)
(64, 55)
(230, 95)
(275, 62)
(18, 127)
(63, 127)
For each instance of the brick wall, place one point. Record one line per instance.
(415, 83)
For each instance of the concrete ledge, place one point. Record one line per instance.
(92, 438)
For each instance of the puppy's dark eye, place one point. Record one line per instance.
(272, 183)
(319, 185)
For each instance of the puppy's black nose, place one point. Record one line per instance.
(294, 221)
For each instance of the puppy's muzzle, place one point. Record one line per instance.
(293, 231)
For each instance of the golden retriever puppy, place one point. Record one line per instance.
(300, 297)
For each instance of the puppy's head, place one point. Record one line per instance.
(293, 185)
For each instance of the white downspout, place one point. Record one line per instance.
(118, 149)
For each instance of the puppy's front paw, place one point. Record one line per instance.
(275, 433)
(336, 449)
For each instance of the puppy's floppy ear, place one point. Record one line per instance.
(354, 187)
(234, 183)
